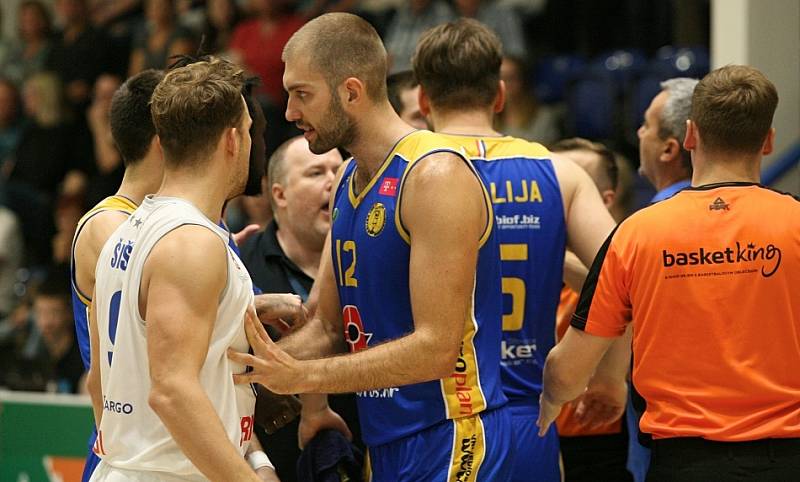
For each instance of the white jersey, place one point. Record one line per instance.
(131, 436)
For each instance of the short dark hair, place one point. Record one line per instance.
(398, 83)
(458, 64)
(193, 105)
(131, 123)
(342, 45)
(733, 107)
(607, 157)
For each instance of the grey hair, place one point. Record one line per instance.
(676, 111)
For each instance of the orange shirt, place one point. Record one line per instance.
(711, 280)
(566, 423)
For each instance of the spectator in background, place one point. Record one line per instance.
(45, 163)
(160, 38)
(108, 169)
(410, 21)
(49, 359)
(664, 161)
(108, 13)
(523, 116)
(10, 119)
(403, 90)
(80, 53)
(221, 18)
(12, 252)
(285, 258)
(29, 53)
(258, 44)
(501, 19)
(589, 451)
(668, 167)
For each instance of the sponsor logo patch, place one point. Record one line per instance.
(376, 219)
(389, 186)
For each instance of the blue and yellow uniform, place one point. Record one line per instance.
(439, 430)
(82, 302)
(531, 231)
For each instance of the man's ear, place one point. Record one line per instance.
(690, 141)
(424, 102)
(500, 98)
(671, 150)
(353, 90)
(232, 140)
(278, 195)
(769, 142)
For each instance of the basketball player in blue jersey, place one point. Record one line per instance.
(541, 204)
(134, 136)
(409, 288)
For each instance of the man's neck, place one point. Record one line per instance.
(725, 168)
(471, 123)
(200, 185)
(141, 179)
(378, 133)
(305, 257)
(669, 179)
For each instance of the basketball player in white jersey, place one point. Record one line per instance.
(170, 297)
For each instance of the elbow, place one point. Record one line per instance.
(162, 398)
(560, 382)
(446, 363)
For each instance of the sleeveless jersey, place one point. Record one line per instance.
(371, 252)
(131, 436)
(82, 302)
(531, 231)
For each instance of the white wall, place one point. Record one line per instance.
(766, 35)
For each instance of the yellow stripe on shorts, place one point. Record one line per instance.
(469, 449)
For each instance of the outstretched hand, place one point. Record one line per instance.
(283, 311)
(548, 412)
(312, 423)
(245, 234)
(271, 366)
(602, 403)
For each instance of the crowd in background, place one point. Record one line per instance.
(62, 64)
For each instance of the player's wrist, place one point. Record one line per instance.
(257, 460)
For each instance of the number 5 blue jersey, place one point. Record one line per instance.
(531, 231)
(371, 253)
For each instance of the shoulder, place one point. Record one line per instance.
(189, 248)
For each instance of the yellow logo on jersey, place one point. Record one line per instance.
(521, 195)
(376, 219)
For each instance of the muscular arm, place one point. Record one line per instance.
(182, 283)
(588, 221)
(90, 242)
(322, 335)
(93, 383)
(444, 250)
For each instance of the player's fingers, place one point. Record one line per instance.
(243, 235)
(261, 332)
(242, 378)
(243, 358)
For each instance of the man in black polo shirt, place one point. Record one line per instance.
(285, 257)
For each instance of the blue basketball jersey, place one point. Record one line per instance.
(82, 302)
(531, 231)
(371, 252)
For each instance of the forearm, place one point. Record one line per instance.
(617, 361)
(183, 406)
(388, 365)
(313, 340)
(560, 384)
(574, 272)
(95, 393)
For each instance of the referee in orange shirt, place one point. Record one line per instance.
(709, 279)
